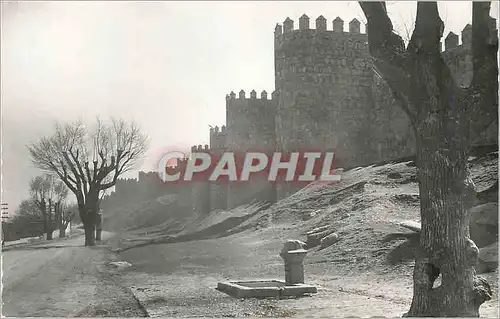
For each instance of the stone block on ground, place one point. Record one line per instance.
(485, 214)
(119, 264)
(329, 240)
(314, 239)
(483, 224)
(488, 258)
(318, 230)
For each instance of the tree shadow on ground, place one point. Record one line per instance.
(405, 251)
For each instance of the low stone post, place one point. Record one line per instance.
(293, 253)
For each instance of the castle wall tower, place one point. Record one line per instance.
(200, 189)
(250, 127)
(183, 190)
(250, 121)
(330, 97)
(218, 138)
(218, 190)
(323, 79)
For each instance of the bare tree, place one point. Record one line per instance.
(445, 118)
(47, 194)
(38, 193)
(62, 219)
(90, 161)
(28, 208)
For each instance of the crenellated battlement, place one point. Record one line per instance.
(458, 56)
(288, 26)
(216, 132)
(126, 180)
(451, 41)
(146, 177)
(200, 148)
(242, 96)
(218, 138)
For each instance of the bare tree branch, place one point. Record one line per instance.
(388, 52)
(428, 30)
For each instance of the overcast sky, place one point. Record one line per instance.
(167, 65)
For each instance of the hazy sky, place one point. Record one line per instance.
(167, 65)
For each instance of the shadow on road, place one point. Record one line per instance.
(98, 246)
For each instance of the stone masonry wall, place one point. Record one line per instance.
(324, 84)
(200, 189)
(323, 78)
(250, 122)
(250, 127)
(390, 133)
(218, 191)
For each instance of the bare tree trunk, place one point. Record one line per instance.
(45, 219)
(62, 231)
(446, 248)
(50, 226)
(444, 117)
(89, 233)
(89, 217)
(64, 227)
(59, 221)
(88, 220)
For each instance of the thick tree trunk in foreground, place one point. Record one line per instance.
(89, 234)
(446, 248)
(444, 116)
(62, 231)
(88, 220)
(88, 215)
(59, 220)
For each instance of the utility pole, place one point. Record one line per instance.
(5, 217)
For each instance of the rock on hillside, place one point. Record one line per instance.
(488, 258)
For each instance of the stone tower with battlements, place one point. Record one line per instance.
(330, 98)
(250, 122)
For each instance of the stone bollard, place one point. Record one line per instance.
(293, 253)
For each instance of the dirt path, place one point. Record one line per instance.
(59, 278)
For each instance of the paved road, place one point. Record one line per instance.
(52, 279)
